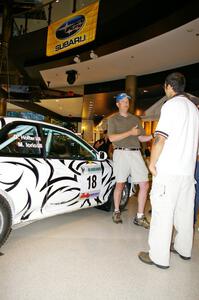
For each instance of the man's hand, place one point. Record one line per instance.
(135, 130)
(145, 138)
(101, 143)
(157, 147)
(98, 144)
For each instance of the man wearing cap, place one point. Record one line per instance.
(125, 132)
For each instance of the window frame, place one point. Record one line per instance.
(73, 137)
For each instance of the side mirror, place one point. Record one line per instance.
(102, 155)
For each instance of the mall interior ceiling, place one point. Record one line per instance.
(119, 28)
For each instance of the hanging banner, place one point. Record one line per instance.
(73, 31)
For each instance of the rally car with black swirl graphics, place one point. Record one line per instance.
(47, 170)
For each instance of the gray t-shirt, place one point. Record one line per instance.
(119, 124)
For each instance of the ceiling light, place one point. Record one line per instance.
(77, 58)
(93, 55)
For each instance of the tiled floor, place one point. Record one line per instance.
(84, 256)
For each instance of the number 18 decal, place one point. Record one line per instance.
(92, 181)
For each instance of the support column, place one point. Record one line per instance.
(131, 89)
(3, 101)
(3, 106)
(87, 130)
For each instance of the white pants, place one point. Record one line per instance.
(172, 201)
(127, 163)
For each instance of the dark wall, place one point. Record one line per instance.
(133, 20)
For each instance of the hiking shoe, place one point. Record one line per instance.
(145, 258)
(141, 222)
(173, 250)
(117, 217)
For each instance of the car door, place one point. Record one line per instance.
(23, 174)
(76, 175)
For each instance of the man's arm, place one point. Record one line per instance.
(134, 131)
(156, 150)
(97, 144)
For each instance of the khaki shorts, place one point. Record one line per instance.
(126, 162)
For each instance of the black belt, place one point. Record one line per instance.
(128, 149)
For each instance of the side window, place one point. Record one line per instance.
(21, 140)
(65, 146)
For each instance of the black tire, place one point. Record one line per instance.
(125, 196)
(109, 205)
(5, 220)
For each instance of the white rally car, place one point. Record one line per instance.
(47, 170)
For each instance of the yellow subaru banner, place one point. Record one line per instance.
(73, 31)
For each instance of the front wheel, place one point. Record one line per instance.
(5, 220)
(125, 196)
(109, 205)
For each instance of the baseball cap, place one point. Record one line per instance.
(121, 96)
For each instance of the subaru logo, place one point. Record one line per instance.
(71, 27)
